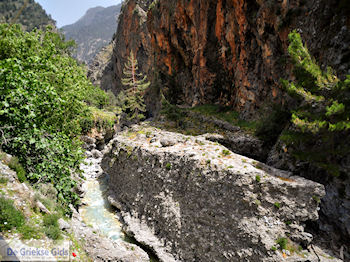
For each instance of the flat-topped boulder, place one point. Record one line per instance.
(194, 200)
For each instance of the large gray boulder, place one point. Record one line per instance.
(197, 201)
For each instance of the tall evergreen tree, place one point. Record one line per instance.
(135, 86)
(325, 99)
(322, 119)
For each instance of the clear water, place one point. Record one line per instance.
(98, 213)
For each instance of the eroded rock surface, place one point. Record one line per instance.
(196, 201)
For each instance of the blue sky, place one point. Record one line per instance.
(67, 12)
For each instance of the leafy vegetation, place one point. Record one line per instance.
(277, 205)
(10, 217)
(45, 101)
(30, 231)
(321, 119)
(132, 101)
(225, 152)
(186, 122)
(168, 166)
(3, 180)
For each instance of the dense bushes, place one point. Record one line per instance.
(45, 98)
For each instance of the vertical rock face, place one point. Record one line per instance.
(192, 200)
(132, 35)
(234, 52)
(231, 52)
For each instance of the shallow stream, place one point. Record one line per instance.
(98, 212)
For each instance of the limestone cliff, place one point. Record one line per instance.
(228, 52)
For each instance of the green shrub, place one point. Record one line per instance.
(53, 232)
(226, 114)
(48, 190)
(15, 165)
(49, 203)
(51, 220)
(30, 232)
(226, 152)
(258, 178)
(3, 180)
(168, 166)
(10, 217)
(51, 227)
(277, 205)
(282, 241)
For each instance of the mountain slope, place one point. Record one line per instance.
(93, 31)
(32, 16)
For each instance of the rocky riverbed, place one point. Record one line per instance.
(96, 223)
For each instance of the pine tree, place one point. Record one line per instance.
(323, 112)
(325, 99)
(135, 86)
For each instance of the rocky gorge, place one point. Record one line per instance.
(234, 53)
(223, 134)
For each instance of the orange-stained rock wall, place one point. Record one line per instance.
(231, 52)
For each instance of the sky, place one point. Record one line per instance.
(67, 12)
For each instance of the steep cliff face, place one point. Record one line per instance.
(132, 35)
(234, 52)
(228, 52)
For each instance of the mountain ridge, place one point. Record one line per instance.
(93, 31)
(32, 16)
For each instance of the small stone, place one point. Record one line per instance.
(165, 142)
(63, 225)
(88, 154)
(88, 140)
(287, 252)
(153, 140)
(42, 208)
(96, 154)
